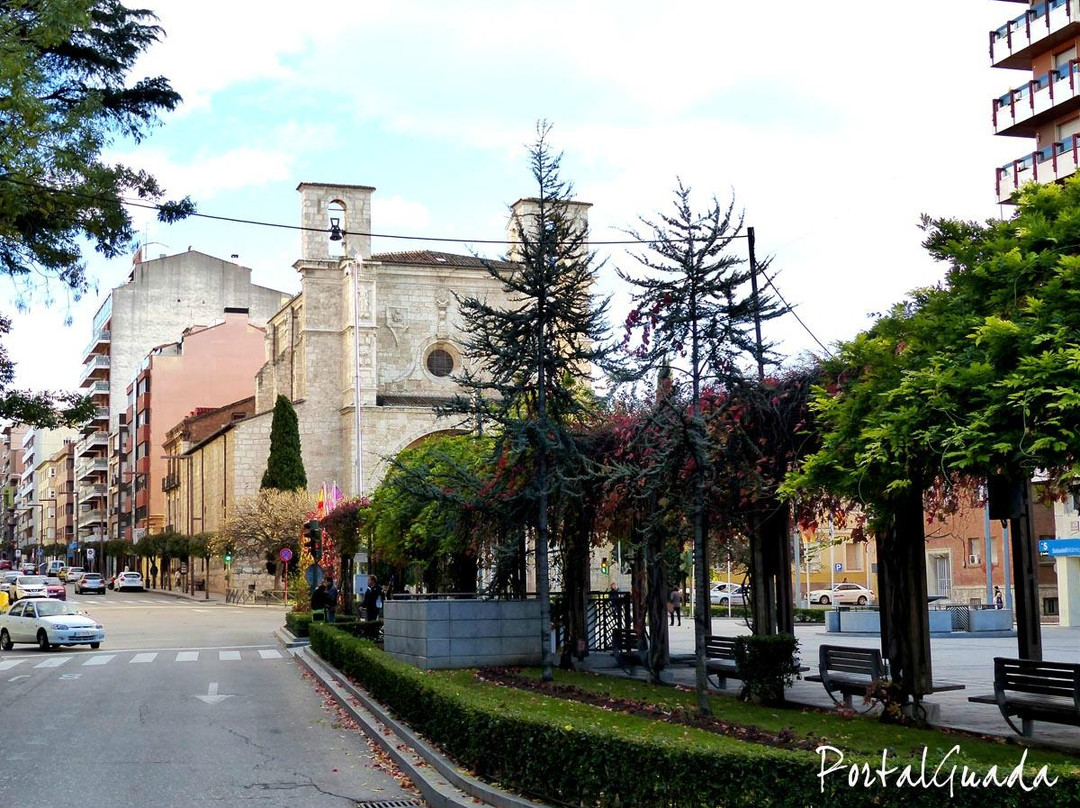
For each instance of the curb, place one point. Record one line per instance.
(439, 780)
(290, 640)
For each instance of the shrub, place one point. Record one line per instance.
(767, 665)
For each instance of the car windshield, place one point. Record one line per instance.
(91, 576)
(54, 608)
(30, 580)
(53, 582)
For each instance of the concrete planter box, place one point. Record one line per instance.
(869, 622)
(991, 620)
(462, 633)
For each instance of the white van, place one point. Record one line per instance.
(51, 568)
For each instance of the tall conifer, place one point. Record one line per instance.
(285, 466)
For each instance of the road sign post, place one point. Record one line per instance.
(286, 556)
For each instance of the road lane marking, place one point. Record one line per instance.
(228, 656)
(269, 654)
(55, 662)
(143, 658)
(187, 656)
(20, 676)
(101, 659)
(8, 664)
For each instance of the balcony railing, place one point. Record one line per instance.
(94, 516)
(101, 338)
(1021, 110)
(97, 366)
(1049, 164)
(1039, 28)
(88, 468)
(99, 388)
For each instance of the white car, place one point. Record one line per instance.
(842, 593)
(28, 586)
(48, 622)
(128, 580)
(722, 595)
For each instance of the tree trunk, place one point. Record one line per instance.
(905, 619)
(1025, 580)
(656, 605)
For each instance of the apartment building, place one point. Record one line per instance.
(11, 469)
(209, 367)
(1042, 103)
(35, 499)
(162, 297)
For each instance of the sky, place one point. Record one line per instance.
(834, 126)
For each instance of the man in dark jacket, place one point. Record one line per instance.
(373, 599)
(330, 602)
(318, 601)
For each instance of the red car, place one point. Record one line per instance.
(5, 564)
(55, 588)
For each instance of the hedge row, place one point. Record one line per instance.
(801, 615)
(299, 623)
(618, 761)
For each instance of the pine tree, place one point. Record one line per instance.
(285, 466)
(531, 360)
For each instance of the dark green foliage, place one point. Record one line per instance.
(768, 663)
(285, 466)
(583, 755)
(299, 623)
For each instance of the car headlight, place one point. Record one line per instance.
(62, 628)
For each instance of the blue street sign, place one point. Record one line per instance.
(838, 567)
(285, 554)
(1059, 547)
(313, 575)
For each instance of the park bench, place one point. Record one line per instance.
(720, 660)
(629, 649)
(848, 671)
(1033, 690)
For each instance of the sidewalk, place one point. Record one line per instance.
(964, 658)
(198, 596)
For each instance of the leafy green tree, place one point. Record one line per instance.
(532, 358)
(285, 465)
(692, 303)
(65, 95)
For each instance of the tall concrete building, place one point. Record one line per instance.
(11, 469)
(161, 298)
(1043, 102)
(36, 498)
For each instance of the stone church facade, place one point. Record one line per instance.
(389, 319)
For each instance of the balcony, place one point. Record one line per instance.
(1049, 164)
(98, 439)
(91, 517)
(99, 390)
(1034, 32)
(1024, 109)
(91, 468)
(99, 343)
(91, 492)
(98, 367)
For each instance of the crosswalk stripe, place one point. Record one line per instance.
(8, 664)
(228, 656)
(144, 658)
(55, 662)
(101, 659)
(265, 654)
(187, 656)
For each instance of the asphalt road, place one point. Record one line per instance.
(184, 704)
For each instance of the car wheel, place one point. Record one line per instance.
(824, 600)
(723, 601)
(43, 640)
(95, 645)
(862, 600)
(5, 640)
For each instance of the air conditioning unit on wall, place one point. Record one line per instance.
(974, 560)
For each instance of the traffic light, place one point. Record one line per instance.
(228, 555)
(603, 566)
(313, 536)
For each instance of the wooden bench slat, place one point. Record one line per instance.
(1035, 690)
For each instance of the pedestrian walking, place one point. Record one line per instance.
(178, 579)
(675, 606)
(999, 599)
(331, 600)
(153, 576)
(373, 599)
(615, 600)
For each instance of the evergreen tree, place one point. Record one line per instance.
(531, 360)
(285, 465)
(65, 94)
(693, 304)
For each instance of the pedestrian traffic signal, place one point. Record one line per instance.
(228, 555)
(313, 536)
(603, 566)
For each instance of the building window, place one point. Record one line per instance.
(440, 363)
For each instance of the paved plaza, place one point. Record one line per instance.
(956, 658)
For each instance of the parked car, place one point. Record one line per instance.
(128, 580)
(50, 567)
(7, 578)
(842, 593)
(90, 582)
(70, 574)
(48, 622)
(28, 568)
(55, 588)
(720, 589)
(27, 586)
(5, 564)
(736, 596)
